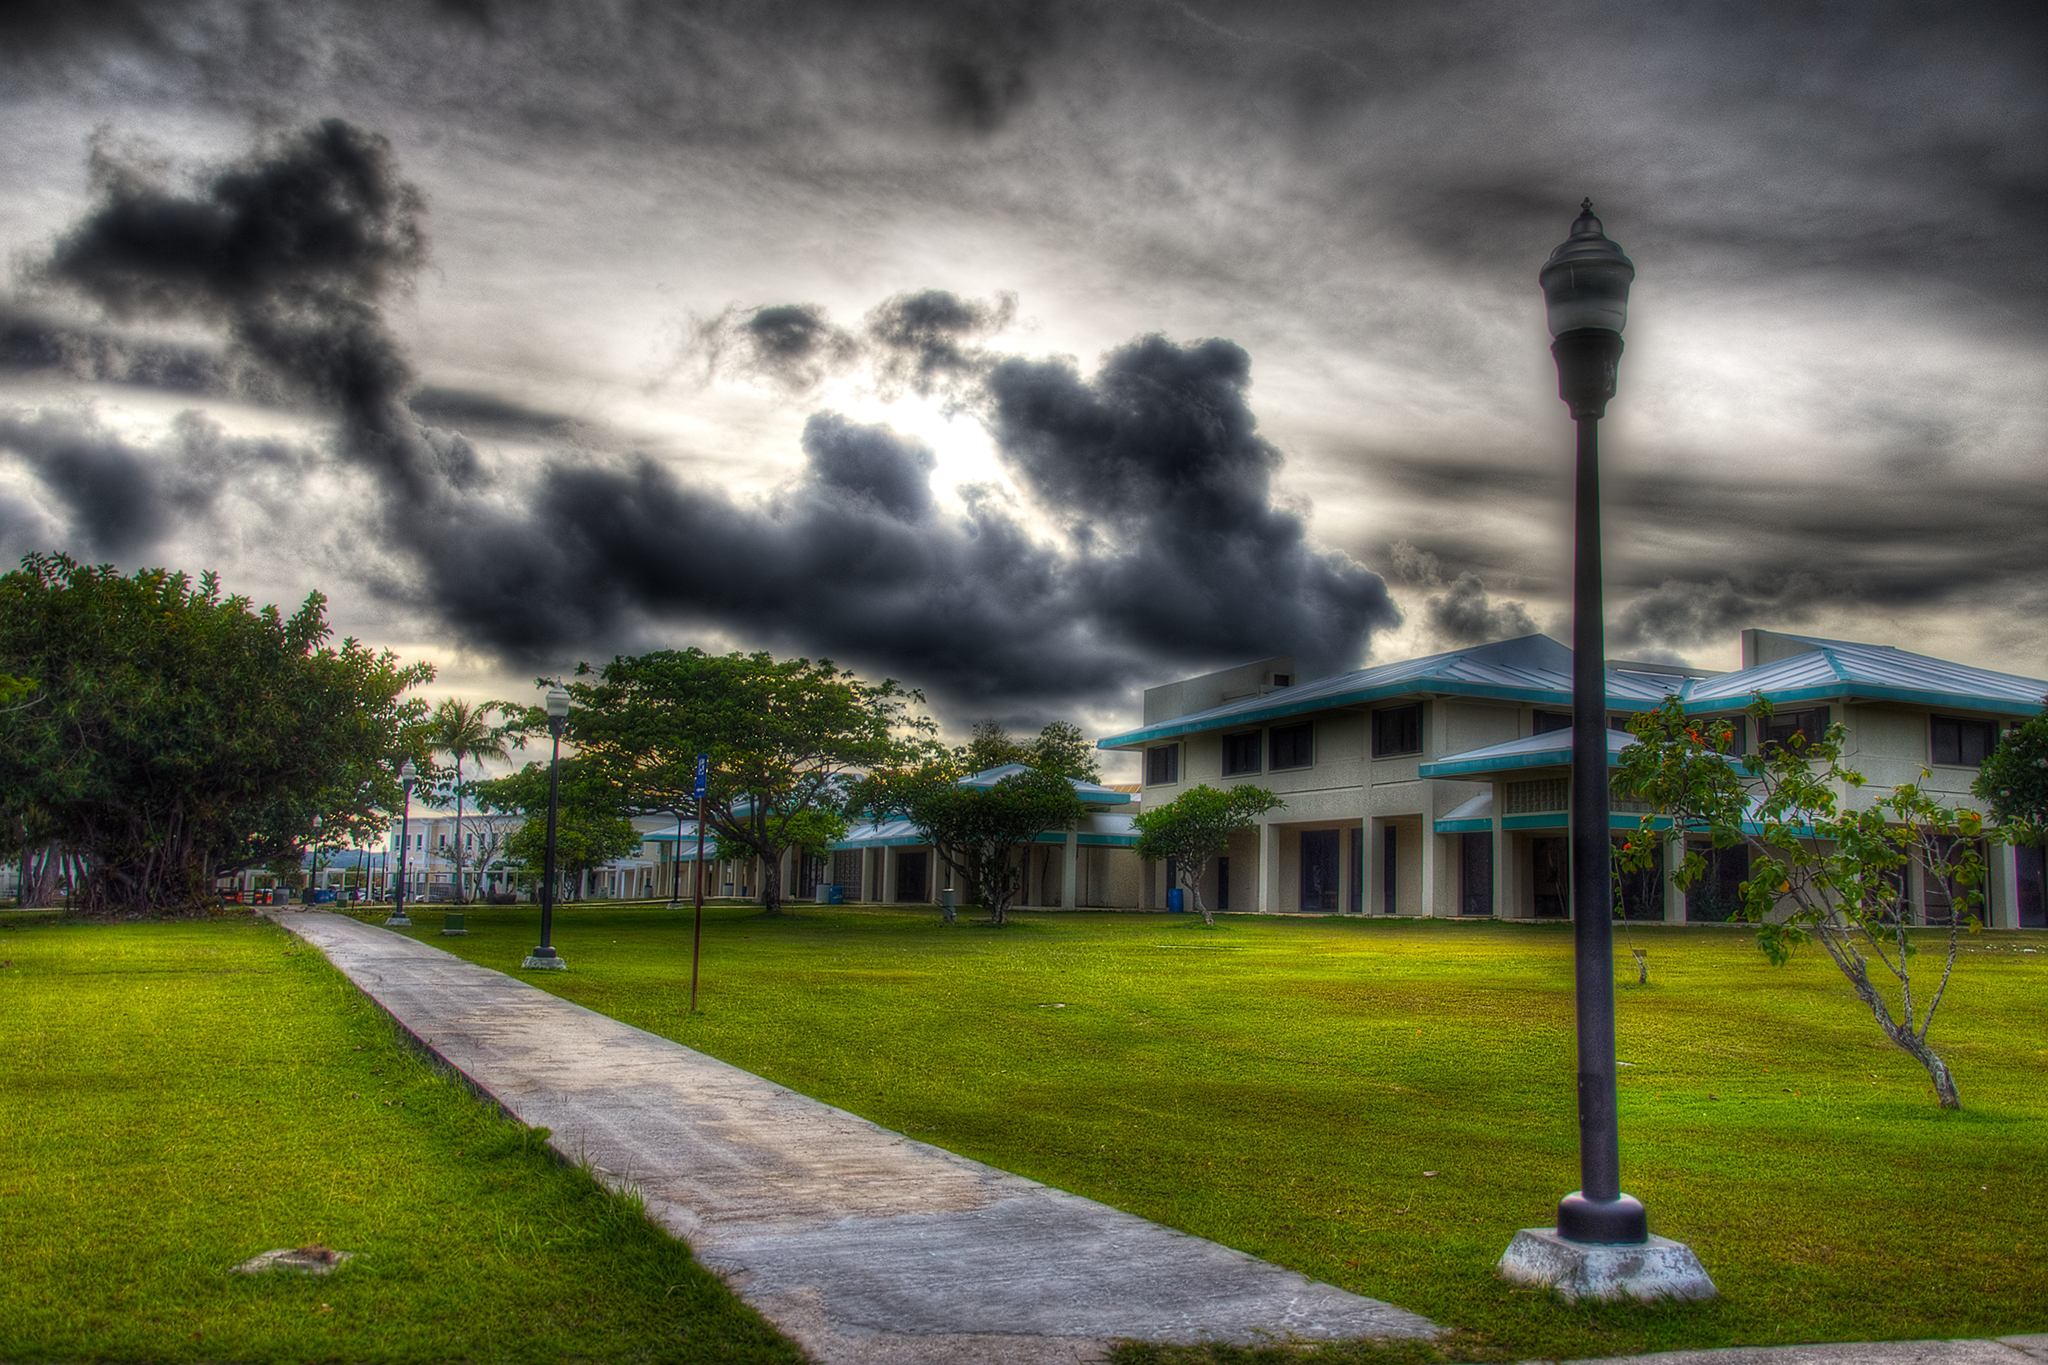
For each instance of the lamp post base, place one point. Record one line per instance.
(544, 960)
(398, 921)
(1656, 1268)
(1602, 1222)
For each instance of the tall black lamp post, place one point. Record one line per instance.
(407, 775)
(545, 958)
(1598, 1247)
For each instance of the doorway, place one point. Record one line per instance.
(1550, 863)
(1319, 871)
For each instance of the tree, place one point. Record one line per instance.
(786, 739)
(2014, 781)
(591, 828)
(978, 830)
(178, 735)
(1195, 827)
(1821, 867)
(584, 841)
(464, 733)
(1060, 748)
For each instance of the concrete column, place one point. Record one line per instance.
(1269, 869)
(888, 888)
(1375, 867)
(2002, 907)
(1433, 899)
(1674, 899)
(1070, 872)
(1916, 890)
(1503, 868)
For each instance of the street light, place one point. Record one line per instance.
(407, 775)
(312, 863)
(1585, 295)
(545, 958)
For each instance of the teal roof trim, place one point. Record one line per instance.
(1536, 670)
(1464, 827)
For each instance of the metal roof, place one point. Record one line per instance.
(1551, 750)
(1537, 669)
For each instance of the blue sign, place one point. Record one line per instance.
(703, 768)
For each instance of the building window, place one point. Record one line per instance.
(1811, 726)
(1243, 753)
(1283, 680)
(1389, 843)
(1641, 892)
(1547, 721)
(1162, 764)
(1397, 730)
(1965, 743)
(1293, 745)
(1738, 731)
(1538, 795)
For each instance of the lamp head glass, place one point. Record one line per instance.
(558, 702)
(407, 773)
(1586, 280)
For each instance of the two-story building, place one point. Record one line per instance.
(1439, 785)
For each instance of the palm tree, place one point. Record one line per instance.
(462, 731)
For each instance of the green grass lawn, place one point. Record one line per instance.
(175, 1098)
(1381, 1104)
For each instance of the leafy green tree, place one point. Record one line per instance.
(1822, 866)
(2014, 780)
(980, 831)
(786, 739)
(179, 734)
(1060, 748)
(464, 733)
(1195, 827)
(585, 840)
(591, 828)
(989, 746)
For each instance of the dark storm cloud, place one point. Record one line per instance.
(926, 339)
(870, 463)
(123, 500)
(36, 344)
(1465, 615)
(922, 340)
(1152, 468)
(485, 411)
(1163, 485)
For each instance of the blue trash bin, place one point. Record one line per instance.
(838, 896)
(1176, 901)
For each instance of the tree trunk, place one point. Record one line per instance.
(1937, 1070)
(771, 883)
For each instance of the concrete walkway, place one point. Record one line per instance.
(867, 1247)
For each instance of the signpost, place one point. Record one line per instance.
(697, 935)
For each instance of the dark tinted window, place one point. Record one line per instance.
(1965, 742)
(1162, 764)
(1811, 726)
(1397, 730)
(1243, 753)
(1293, 745)
(1546, 721)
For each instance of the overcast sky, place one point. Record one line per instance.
(1030, 354)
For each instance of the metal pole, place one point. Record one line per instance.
(547, 883)
(404, 841)
(1598, 1212)
(697, 934)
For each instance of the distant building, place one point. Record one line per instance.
(1439, 786)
